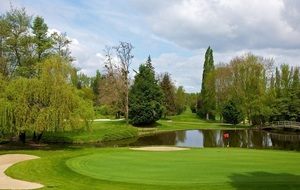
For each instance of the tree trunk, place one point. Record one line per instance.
(34, 136)
(127, 99)
(39, 137)
(207, 116)
(22, 137)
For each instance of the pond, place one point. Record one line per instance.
(257, 139)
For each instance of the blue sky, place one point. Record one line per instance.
(175, 33)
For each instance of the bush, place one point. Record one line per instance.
(106, 110)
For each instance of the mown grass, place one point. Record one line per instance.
(100, 131)
(189, 120)
(121, 168)
(116, 129)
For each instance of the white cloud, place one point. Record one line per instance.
(222, 24)
(175, 33)
(186, 72)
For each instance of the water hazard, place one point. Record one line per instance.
(257, 139)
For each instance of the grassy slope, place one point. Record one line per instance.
(100, 131)
(189, 120)
(115, 130)
(121, 168)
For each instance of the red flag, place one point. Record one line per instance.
(226, 135)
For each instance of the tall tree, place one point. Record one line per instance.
(180, 100)
(118, 71)
(61, 45)
(4, 34)
(19, 43)
(169, 97)
(208, 86)
(96, 81)
(223, 78)
(145, 97)
(48, 102)
(40, 39)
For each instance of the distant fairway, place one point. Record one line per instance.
(194, 168)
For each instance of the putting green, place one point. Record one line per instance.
(195, 166)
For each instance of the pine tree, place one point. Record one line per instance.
(208, 87)
(169, 99)
(231, 113)
(145, 97)
(41, 40)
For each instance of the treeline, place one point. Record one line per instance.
(40, 89)
(258, 91)
(37, 91)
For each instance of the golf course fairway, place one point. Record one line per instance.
(199, 168)
(190, 167)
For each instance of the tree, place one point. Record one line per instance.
(287, 102)
(61, 45)
(145, 97)
(41, 40)
(4, 32)
(191, 101)
(48, 102)
(96, 81)
(18, 43)
(231, 113)
(118, 71)
(208, 86)
(180, 100)
(169, 97)
(223, 82)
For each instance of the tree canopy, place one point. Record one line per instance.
(208, 101)
(145, 97)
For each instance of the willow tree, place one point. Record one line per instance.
(6, 125)
(48, 102)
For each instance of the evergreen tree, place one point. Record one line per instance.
(96, 87)
(41, 40)
(231, 114)
(145, 97)
(208, 91)
(168, 91)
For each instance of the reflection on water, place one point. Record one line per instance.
(214, 138)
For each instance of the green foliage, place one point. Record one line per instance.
(40, 38)
(180, 100)
(208, 86)
(106, 110)
(145, 97)
(286, 91)
(24, 43)
(96, 81)
(231, 113)
(45, 103)
(169, 97)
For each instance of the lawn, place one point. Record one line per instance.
(100, 131)
(122, 168)
(188, 120)
(117, 130)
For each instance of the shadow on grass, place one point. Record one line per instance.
(265, 180)
(38, 146)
